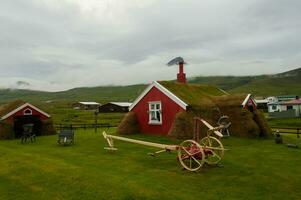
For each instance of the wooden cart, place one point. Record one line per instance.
(192, 154)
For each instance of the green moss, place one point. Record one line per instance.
(192, 94)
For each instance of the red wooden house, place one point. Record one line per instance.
(19, 113)
(156, 108)
(158, 104)
(249, 103)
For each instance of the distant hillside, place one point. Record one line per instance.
(99, 94)
(264, 85)
(226, 82)
(287, 83)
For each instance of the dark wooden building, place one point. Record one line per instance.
(115, 107)
(86, 105)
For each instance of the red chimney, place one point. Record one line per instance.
(181, 76)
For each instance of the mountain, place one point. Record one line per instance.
(99, 94)
(292, 73)
(286, 83)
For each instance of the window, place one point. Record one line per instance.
(155, 113)
(27, 112)
(289, 107)
(274, 107)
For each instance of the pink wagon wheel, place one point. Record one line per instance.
(191, 155)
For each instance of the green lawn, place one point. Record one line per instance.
(252, 169)
(285, 122)
(63, 113)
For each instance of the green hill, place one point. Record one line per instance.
(287, 83)
(99, 94)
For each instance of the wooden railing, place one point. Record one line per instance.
(84, 126)
(289, 130)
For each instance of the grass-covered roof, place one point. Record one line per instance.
(6, 108)
(192, 94)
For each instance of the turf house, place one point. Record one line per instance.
(15, 114)
(169, 107)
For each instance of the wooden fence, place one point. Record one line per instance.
(84, 126)
(289, 130)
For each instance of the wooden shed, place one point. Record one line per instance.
(18, 113)
(115, 107)
(86, 105)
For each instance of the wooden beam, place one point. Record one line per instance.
(150, 144)
(214, 129)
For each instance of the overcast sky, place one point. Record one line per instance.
(60, 44)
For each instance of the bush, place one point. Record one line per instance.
(259, 118)
(128, 125)
(6, 131)
(182, 127)
(48, 128)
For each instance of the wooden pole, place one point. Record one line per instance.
(95, 120)
(214, 129)
(151, 144)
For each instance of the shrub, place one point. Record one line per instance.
(182, 127)
(259, 118)
(48, 128)
(6, 131)
(128, 125)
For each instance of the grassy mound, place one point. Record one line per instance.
(6, 131)
(244, 123)
(128, 125)
(259, 118)
(182, 126)
(48, 128)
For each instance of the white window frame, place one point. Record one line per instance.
(25, 112)
(150, 111)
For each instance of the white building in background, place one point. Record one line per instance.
(274, 103)
(274, 107)
(291, 107)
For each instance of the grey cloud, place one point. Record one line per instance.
(64, 44)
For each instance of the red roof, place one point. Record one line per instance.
(293, 102)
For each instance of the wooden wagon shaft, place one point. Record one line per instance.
(151, 144)
(211, 128)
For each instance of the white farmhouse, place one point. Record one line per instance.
(292, 105)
